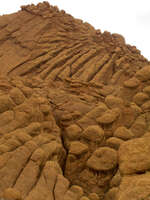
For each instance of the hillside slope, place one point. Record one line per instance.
(74, 110)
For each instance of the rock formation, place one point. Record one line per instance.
(74, 110)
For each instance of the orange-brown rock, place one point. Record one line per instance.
(74, 110)
(12, 194)
(103, 159)
(135, 187)
(134, 156)
(144, 73)
(123, 133)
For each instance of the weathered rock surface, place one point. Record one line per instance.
(103, 159)
(74, 110)
(134, 156)
(135, 187)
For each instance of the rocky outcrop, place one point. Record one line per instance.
(74, 110)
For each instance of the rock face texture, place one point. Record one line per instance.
(74, 110)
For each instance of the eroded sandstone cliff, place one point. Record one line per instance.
(74, 110)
